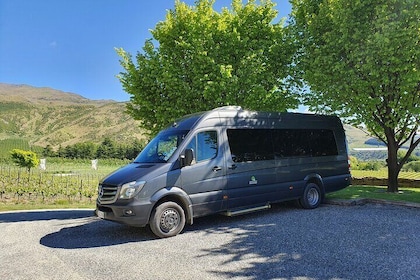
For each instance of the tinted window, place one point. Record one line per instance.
(250, 144)
(323, 143)
(204, 145)
(266, 144)
(304, 143)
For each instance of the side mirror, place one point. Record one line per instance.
(187, 158)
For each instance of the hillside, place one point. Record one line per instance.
(45, 116)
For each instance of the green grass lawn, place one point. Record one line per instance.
(375, 192)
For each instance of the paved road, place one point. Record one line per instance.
(331, 242)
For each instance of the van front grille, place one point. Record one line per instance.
(107, 194)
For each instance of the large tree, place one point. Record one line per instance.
(361, 59)
(200, 58)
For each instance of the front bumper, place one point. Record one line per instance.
(133, 214)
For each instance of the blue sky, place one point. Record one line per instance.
(69, 45)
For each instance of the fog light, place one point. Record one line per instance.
(128, 212)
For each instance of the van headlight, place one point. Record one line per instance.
(130, 189)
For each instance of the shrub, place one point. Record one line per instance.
(370, 165)
(413, 166)
(354, 163)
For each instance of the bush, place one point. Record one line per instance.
(413, 166)
(354, 163)
(369, 165)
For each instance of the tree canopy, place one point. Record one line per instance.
(361, 59)
(200, 58)
(27, 159)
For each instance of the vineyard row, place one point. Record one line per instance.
(19, 184)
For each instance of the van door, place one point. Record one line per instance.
(251, 175)
(205, 179)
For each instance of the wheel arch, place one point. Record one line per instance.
(176, 195)
(316, 179)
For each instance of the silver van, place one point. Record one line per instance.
(228, 161)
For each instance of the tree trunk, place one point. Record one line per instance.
(392, 179)
(393, 167)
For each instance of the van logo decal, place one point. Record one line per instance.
(253, 181)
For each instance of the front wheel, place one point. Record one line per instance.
(311, 196)
(167, 220)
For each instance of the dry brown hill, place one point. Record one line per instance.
(45, 116)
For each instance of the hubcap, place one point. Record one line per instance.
(313, 196)
(169, 220)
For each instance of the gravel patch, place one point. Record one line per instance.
(365, 241)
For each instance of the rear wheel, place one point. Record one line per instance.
(311, 196)
(168, 219)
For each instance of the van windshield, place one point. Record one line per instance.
(162, 147)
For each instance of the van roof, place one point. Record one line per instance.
(236, 113)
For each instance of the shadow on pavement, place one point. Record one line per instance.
(79, 228)
(95, 233)
(44, 215)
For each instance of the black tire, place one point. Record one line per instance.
(167, 219)
(312, 196)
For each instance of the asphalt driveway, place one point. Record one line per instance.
(330, 242)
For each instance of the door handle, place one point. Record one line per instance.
(233, 167)
(217, 168)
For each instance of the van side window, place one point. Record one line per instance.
(323, 143)
(204, 145)
(250, 144)
(304, 143)
(267, 144)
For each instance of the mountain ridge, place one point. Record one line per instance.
(37, 95)
(45, 116)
